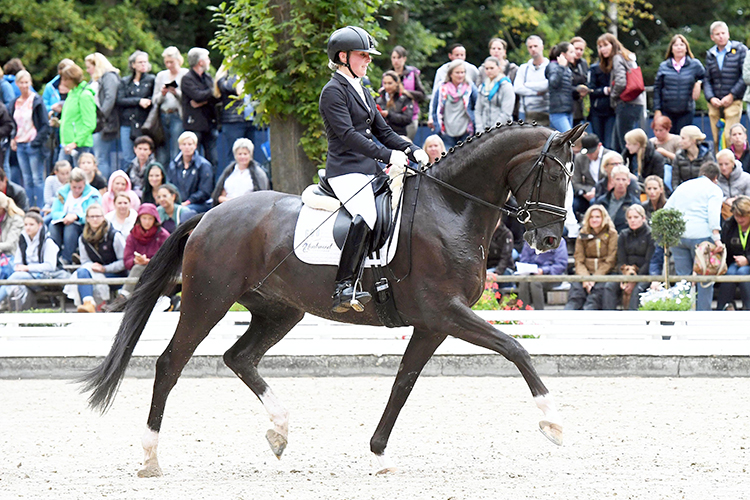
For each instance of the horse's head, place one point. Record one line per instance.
(540, 190)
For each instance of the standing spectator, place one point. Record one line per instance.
(241, 176)
(734, 236)
(145, 239)
(123, 216)
(53, 102)
(395, 103)
(13, 191)
(667, 144)
(601, 114)
(617, 200)
(78, 119)
(699, 200)
(628, 115)
(595, 254)
(105, 79)
(69, 213)
(532, 85)
(119, 182)
(739, 145)
(11, 226)
(656, 198)
(693, 153)
(11, 70)
(499, 49)
(723, 85)
(199, 104)
(454, 105)
(6, 90)
(87, 163)
(560, 80)
(134, 103)
(155, 177)
(733, 181)
(58, 178)
(554, 262)
(192, 174)
(434, 147)
(101, 247)
(32, 130)
(455, 52)
(7, 128)
(171, 212)
(409, 76)
(496, 98)
(143, 148)
(168, 96)
(587, 168)
(635, 247)
(678, 84)
(580, 69)
(640, 155)
(235, 122)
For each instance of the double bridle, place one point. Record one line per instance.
(523, 214)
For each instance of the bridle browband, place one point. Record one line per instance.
(523, 214)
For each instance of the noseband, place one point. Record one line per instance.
(523, 214)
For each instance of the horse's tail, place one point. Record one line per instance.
(159, 278)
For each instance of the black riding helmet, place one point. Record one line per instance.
(348, 39)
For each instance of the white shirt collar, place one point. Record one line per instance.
(355, 81)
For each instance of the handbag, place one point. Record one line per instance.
(152, 126)
(634, 86)
(708, 261)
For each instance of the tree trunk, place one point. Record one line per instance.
(666, 267)
(291, 169)
(612, 15)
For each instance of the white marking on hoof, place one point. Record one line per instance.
(150, 441)
(385, 465)
(279, 435)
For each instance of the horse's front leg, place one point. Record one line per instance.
(420, 349)
(469, 327)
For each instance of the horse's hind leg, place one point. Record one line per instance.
(269, 324)
(420, 349)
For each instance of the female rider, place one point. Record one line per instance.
(352, 120)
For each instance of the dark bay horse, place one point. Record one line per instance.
(441, 258)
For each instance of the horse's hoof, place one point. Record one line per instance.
(150, 469)
(553, 432)
(277, 442)
(387, 470)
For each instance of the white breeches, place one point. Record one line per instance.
(363, 202)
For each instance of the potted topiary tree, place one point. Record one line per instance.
(667, 226)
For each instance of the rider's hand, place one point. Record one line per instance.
(398, 159)
(421, 157)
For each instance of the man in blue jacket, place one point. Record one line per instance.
(723, 85)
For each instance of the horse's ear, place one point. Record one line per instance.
(571, 135)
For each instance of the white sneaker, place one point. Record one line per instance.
(163, 304)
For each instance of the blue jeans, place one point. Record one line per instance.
(66, 238)
(126, 148)
(31, 161)
(684, 255)
(171, 123)
(602, 126)
(8, 267)
(207, 143)
(562, 122)
(451, 141)
(679, 120)
(727, 290)
(230, 132)
(73, 159)
(106, 152)
(627, 117)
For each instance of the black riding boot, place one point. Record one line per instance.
(350, 268)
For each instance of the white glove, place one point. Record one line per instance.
(421, 157)
(398, 159)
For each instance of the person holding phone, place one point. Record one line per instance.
(168, 96)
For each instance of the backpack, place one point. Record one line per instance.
(99, 113)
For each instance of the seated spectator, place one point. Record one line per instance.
(119, 182)
(191, 174)
(595, 254)
(138, 169)
(142, 243)
(693, 153)
(243, 175)
(618, 199)
(171, 212)
(395, 104)
(434, 147)
(87, 163)
(654, 187)
(13, 191)
(734, 235)
(52, 184)
(101, 247)
(11, 226)
(733, 181)
(123, 216)
(36, 258)
(666, 143)
(500, 252)
(641, 157)
(155, 177)
(496, 97)
(739, 145)
(554, 262)
(606, 183)
(69, 213)
(635, 247)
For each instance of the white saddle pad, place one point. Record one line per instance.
(315, 245)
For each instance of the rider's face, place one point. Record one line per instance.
(359, 61)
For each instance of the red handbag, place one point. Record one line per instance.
(634, 85)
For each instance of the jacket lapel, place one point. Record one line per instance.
(353, 92)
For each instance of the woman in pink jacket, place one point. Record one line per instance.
(119, 182)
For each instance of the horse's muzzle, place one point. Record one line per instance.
(542, 242)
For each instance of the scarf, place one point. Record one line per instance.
(94, 238)
(489, 93)
(455, 94)
(141, 235)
